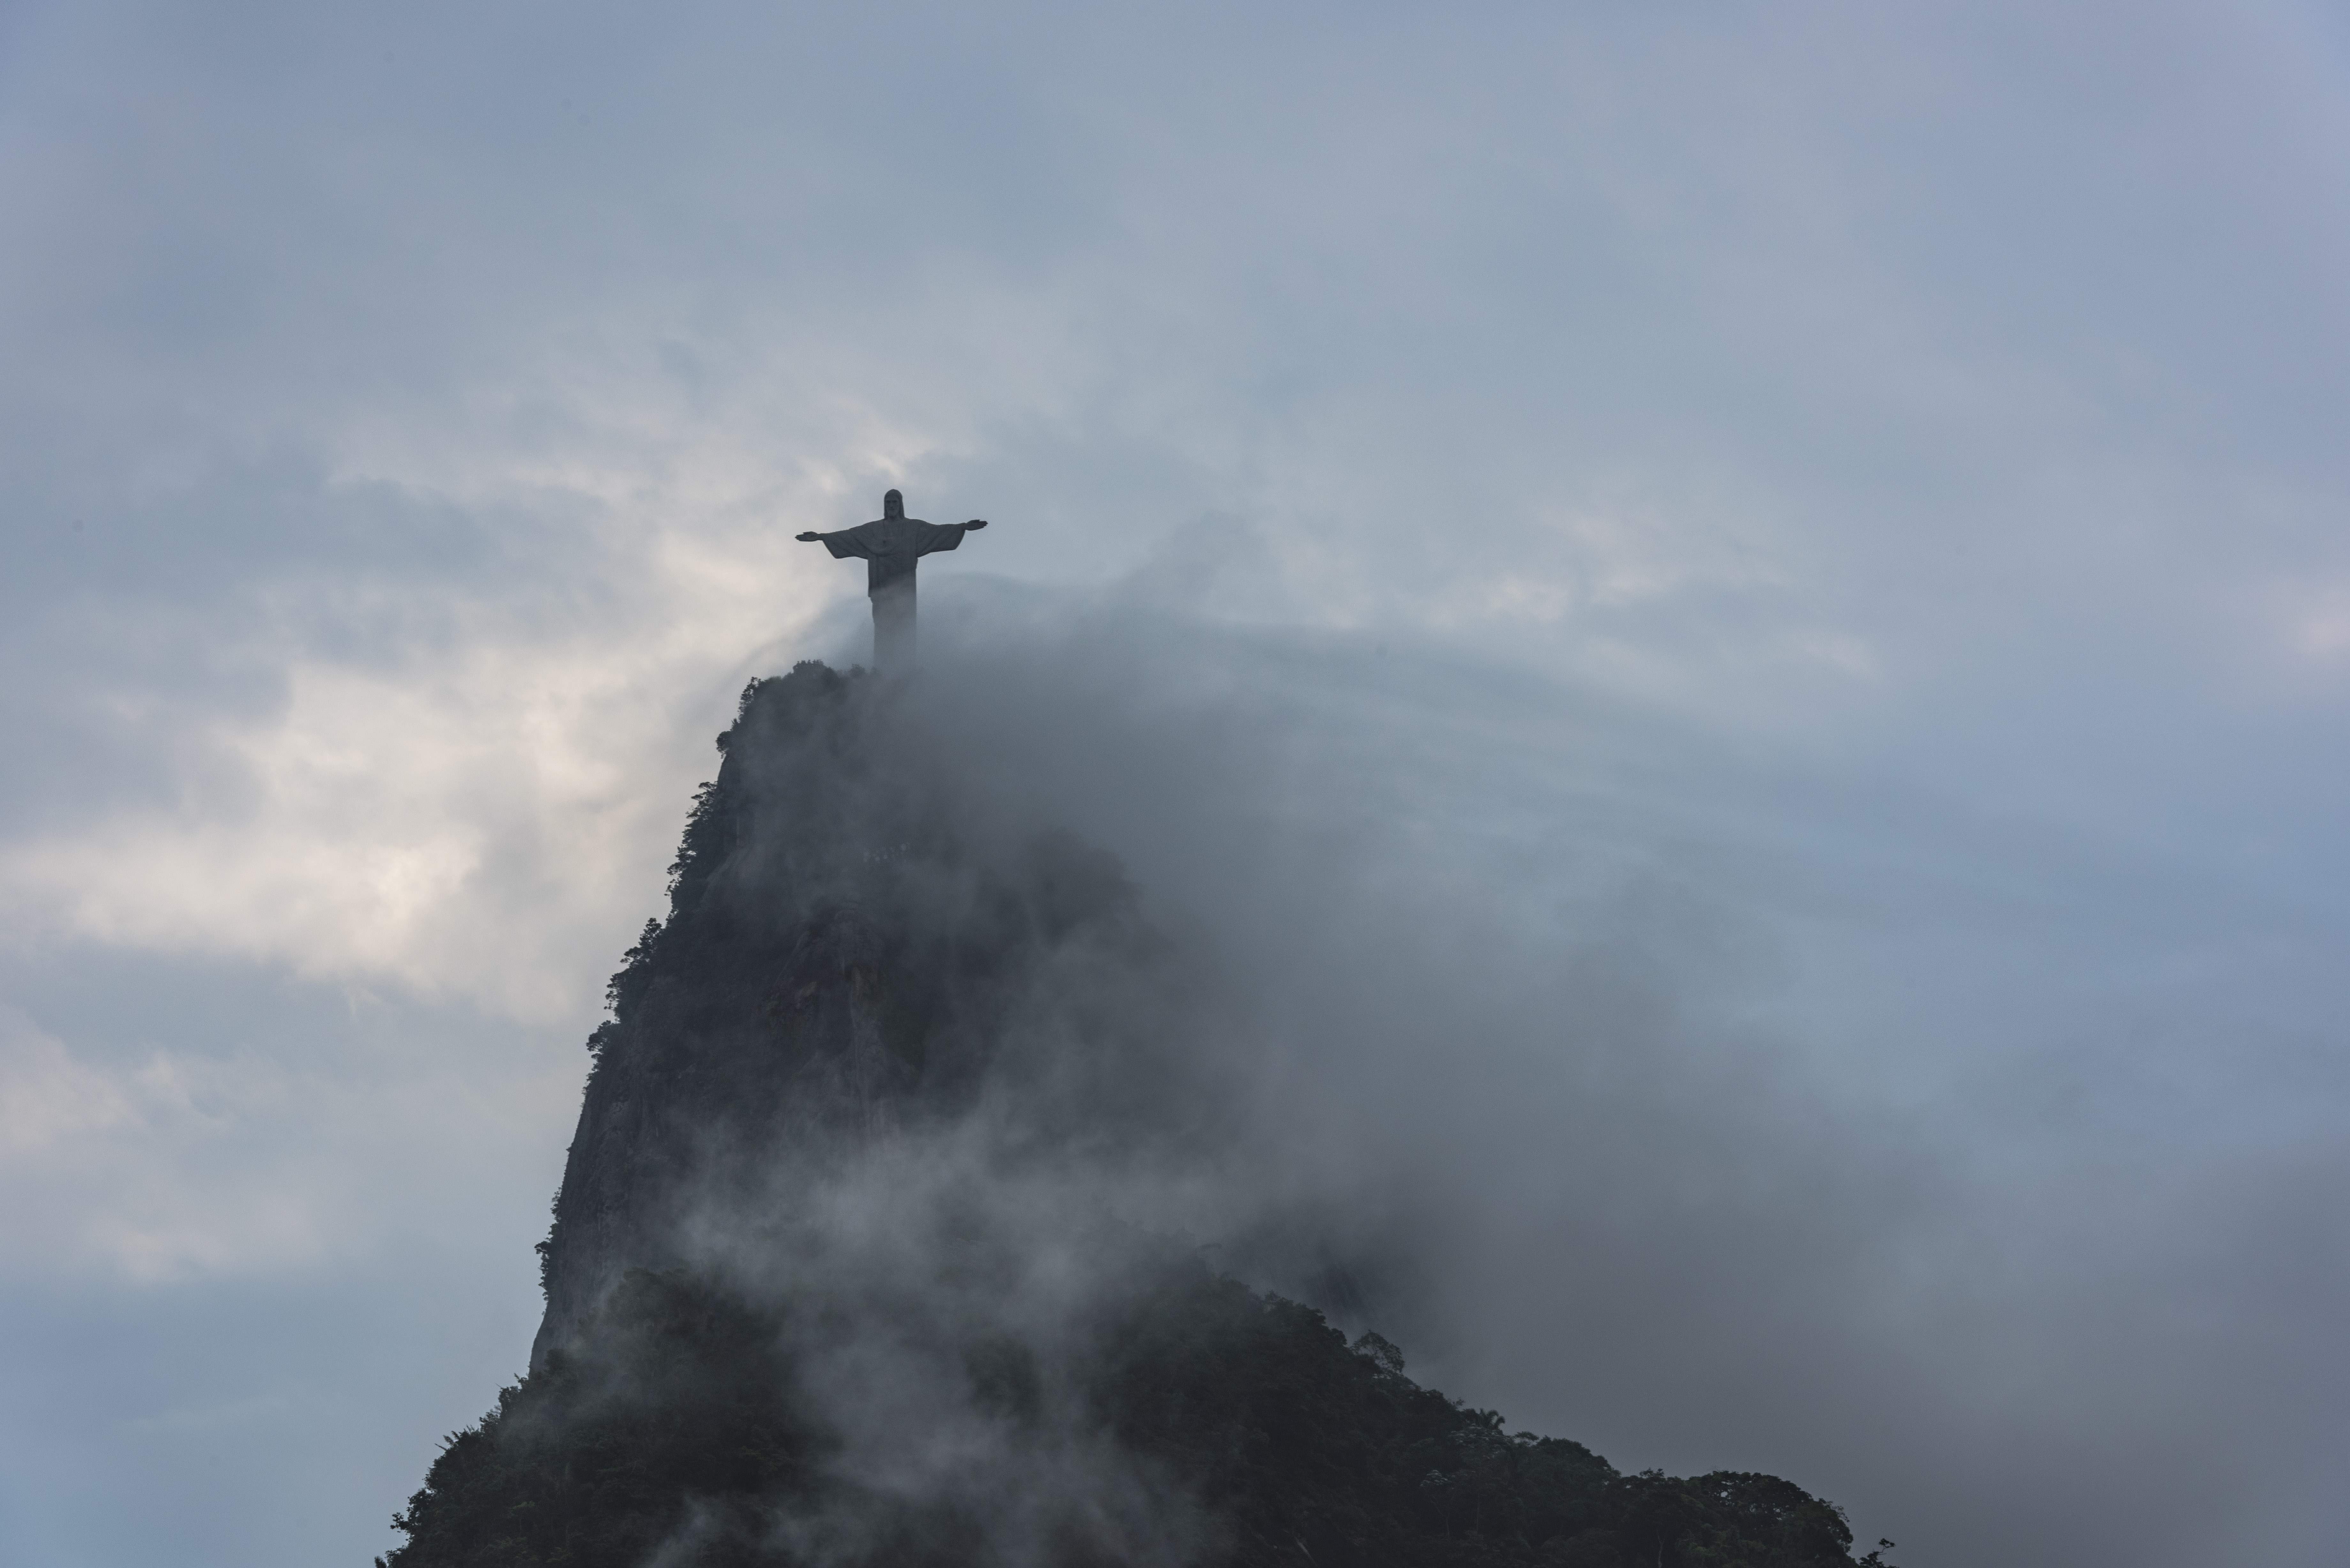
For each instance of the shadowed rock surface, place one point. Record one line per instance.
(841, 964)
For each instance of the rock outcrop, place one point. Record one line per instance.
(844, 958)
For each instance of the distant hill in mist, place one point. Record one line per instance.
(845, 1268)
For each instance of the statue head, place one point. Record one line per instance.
(893, 505)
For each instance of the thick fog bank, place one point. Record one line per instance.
(847, 1264)
(1711, 1110)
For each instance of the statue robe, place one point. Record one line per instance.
(891, 546)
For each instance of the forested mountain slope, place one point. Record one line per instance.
(837, 1274)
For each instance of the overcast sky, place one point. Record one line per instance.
(1826, 523)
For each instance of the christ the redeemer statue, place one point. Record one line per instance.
(891, 546)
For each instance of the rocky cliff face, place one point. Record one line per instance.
(847, 959)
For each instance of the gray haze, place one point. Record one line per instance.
(1534, 1029)
(1726, 630)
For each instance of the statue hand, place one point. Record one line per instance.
(976, 523)
(810, 538)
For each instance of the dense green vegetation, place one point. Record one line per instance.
(673, 1422)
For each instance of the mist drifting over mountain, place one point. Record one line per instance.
(878, 1240)
(1475, 1043)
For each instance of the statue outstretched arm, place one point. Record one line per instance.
(842, 544)
(947, 536)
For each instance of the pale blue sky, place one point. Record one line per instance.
(1835, 512)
